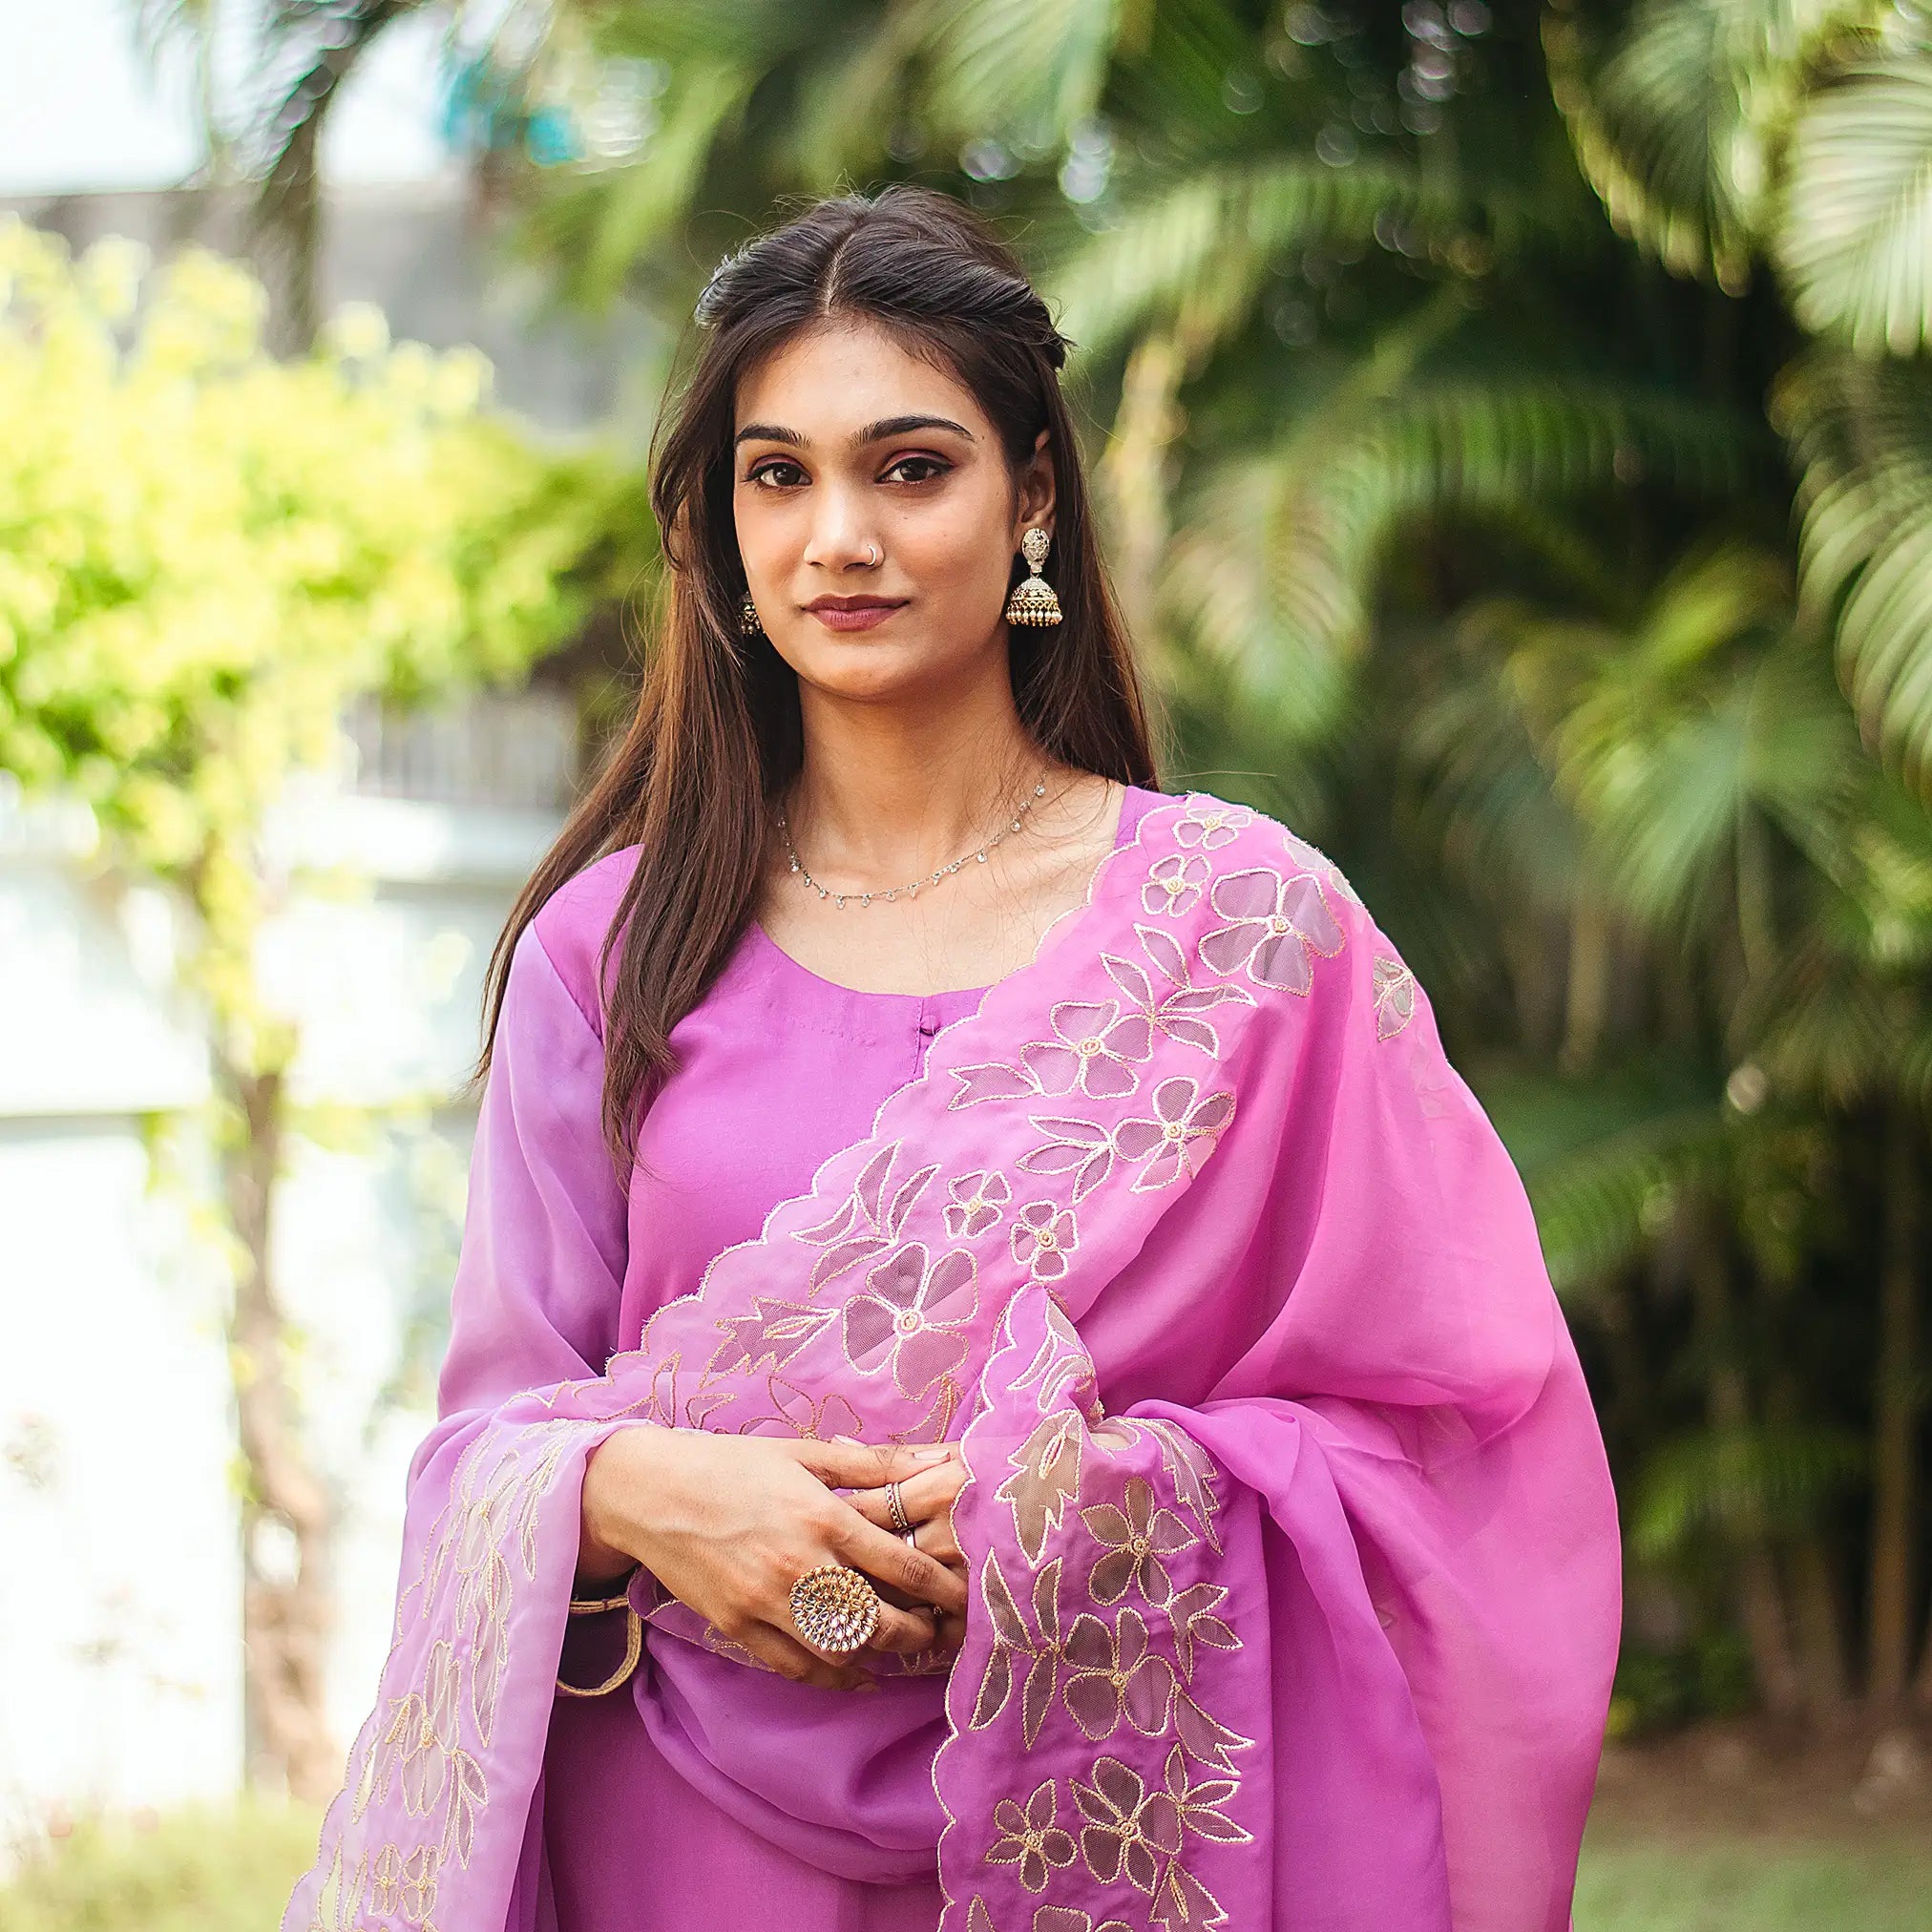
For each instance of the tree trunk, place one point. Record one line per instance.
(287, 1518)
(1895, 1403)
(1760, 1593)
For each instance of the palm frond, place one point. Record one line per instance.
(1675, 114)
(1860, 433)
(1603, 1158)
(1854, 236)
(1274, 564)
(1766, 1476)
(1024, 71)
(1205, 243)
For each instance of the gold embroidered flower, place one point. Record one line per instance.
(1273, 924)
(1174, 883)
(1113, 1675)
(1129, 1829)
(908, 1316)
(1210, 823)
(427, 1723)
(1198, 1805)
(1030, 1837)
(1094, 1047)
(1043, 1236)
(1181, 1135)
(386, 1880)
(976, 1204)
(419, 1886)
(1136, 1538)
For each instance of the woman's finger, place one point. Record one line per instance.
(865, 1465)
(924, 1496)
(799, 1661)
(881, 1554)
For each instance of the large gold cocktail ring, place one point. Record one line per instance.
(835, 1608)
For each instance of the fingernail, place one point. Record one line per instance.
(933, 1452)
(853, 1440)
(866, 1685)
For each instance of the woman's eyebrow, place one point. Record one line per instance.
(873, 432)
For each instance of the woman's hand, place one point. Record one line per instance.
(927, 1499)
(727, 1524)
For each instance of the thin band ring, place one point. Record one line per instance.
(901, 1522)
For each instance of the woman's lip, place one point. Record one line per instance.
(861, 620)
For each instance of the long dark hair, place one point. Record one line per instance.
(716, 737)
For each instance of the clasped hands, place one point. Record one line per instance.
(727, 1524)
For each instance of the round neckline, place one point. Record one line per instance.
(1134, 800)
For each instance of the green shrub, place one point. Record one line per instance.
(226, 1869)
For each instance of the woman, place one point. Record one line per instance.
(953, 1224)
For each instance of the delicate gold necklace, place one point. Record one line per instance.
(912, 890)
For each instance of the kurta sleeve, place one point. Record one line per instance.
(541, 1270)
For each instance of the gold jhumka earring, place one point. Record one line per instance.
(1033, 600)
(748, 625)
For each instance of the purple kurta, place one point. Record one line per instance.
(1294, 1555)
(779, 1068)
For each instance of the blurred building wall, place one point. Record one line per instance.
(119, 1592)
(433, 256)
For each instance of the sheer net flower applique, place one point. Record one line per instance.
(1113, 1675)
(1181, 1135)
(1211, 821)
(1174, 882)
(1095, 1049)
(910, 1316)
(1044, 1235)
(1136, 1533)
(1395, 990)
(978, 1202)
(1031, 1837)
(1274, 927)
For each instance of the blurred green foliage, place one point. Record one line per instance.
(214, 1869)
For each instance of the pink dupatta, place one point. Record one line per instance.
(1328, 1646)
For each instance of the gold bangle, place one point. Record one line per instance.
(589, 1607)
(634, 1648)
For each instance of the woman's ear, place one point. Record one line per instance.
(1036, 491)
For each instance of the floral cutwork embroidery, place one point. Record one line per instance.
(1394, 989)
(1171, 1144)
(1031, 1837)
(1274, 925)
(1094, 1050)
(1045, 1478)
(867, 1221)
(1043, 1236)
(1129, 1829)
(1174, 883)
(912, 1317)
(978, 1202)
(1193, 1615)
(1210, 823)
(1136, 1535)
(1112, 1674)
(1085, 1147)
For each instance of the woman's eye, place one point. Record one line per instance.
(764, 471)
(931, 465)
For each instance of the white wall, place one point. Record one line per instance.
(119, 1630)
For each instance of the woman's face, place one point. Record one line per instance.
(849, 449)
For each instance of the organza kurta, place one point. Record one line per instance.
(1401, 1599)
